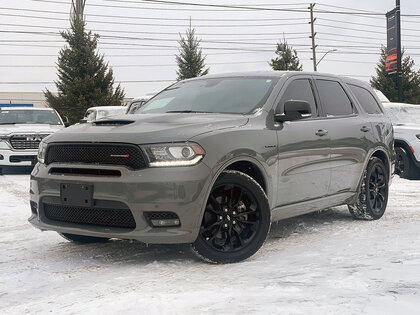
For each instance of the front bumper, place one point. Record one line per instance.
(181, 190)
(17, 158)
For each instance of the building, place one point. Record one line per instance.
(32, 99)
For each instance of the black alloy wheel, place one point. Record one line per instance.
(232, 216)
(236, 219)
(377, 190)
(372, 198)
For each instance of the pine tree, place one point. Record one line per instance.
(286, 59)
(190, 60)
(84, 79)
(388, 86)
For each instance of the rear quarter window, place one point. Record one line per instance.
(366, 99)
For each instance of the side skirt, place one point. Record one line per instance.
(308, 206)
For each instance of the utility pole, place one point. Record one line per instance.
(311, 8)
(77, 8)
(399, 69)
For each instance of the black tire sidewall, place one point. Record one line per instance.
(376, 162)
(406, 160)
(206, 252)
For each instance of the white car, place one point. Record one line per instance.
(406, 121)
(21, 131)
(101, 112)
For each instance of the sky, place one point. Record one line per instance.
(139, 38)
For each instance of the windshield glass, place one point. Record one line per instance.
(403, 114)
(219, 95)
(28, 116)
(102, 113)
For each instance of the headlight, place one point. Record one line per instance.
(42, 150)
(174, 154)
(418, 137)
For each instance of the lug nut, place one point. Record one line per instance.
(234, 212)
(234, 222)
(226, 225)
(220, 218)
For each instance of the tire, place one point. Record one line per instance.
(373, 195)
(236, 220)
(404, 166)
(82, 239)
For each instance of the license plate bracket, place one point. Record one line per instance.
(80, 195)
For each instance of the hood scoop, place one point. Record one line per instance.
(118, 122)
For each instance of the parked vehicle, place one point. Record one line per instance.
(406, 121)
(212, 161)
(101, 112)
(21, 131)
(137, 102)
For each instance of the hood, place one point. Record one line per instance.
(406, 127)
(26, 128)
(149, 128)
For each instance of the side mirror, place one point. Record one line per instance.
(66, 121)
(294, 110)
(83, 121)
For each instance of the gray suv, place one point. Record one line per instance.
(212, 161)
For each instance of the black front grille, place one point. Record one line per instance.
(26, 141)
(121, 218)
(109, 154)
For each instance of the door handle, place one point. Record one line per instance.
(321, 132)
(365, 129)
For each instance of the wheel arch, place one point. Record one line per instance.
(245, 164)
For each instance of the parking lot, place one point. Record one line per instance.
(319, 263)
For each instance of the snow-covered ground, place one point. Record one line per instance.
(322, 263)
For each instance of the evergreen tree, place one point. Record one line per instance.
(286, 59)
(84, 79)
(388, 85)
(190, 60)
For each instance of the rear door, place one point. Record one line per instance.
(304, 147)
(349, 134)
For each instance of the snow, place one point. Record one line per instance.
(322, 263)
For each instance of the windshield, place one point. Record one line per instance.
(220, 95)
(403, 114)
(102, 113)
(28, 116)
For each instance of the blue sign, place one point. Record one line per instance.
(16, 105)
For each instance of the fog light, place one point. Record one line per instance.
(162, 219)
(165, 223)
(1, 157)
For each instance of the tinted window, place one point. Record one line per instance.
(218, 95)
(334, 99)
(299, 90)
(365, 99)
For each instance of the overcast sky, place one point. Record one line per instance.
(246, 38)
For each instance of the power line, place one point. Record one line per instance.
(146, 18)
(222, 7)
(160, 25)
(160, 33)
(52, 82)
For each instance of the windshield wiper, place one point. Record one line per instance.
(8, 123)
(186, 111)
